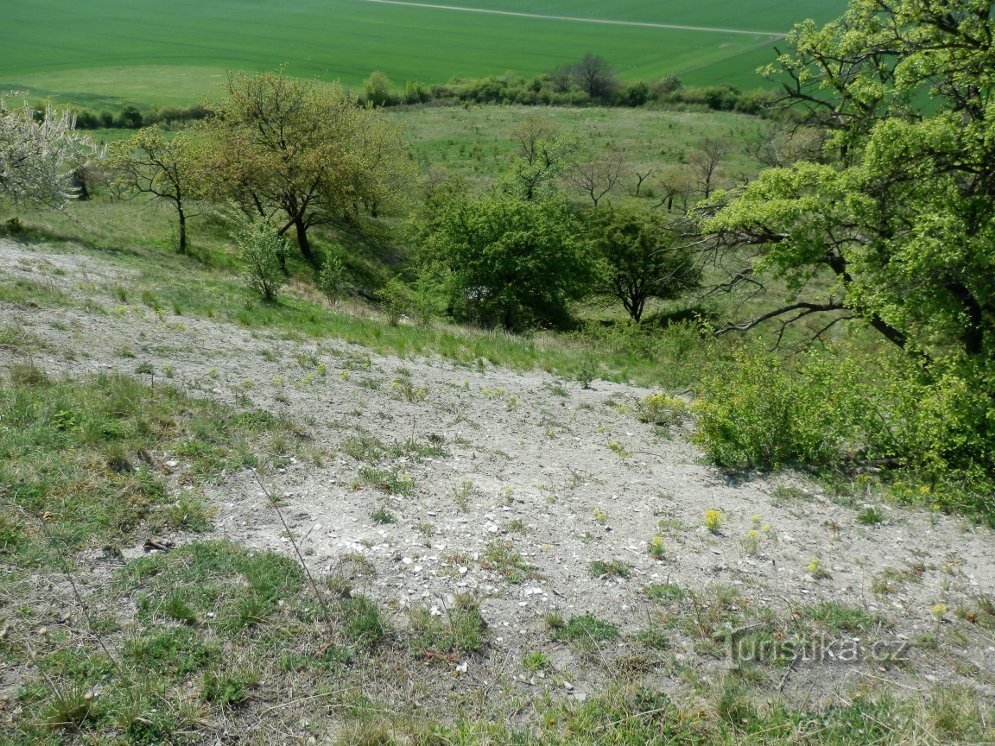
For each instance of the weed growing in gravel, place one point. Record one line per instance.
(817, 570)
(664, 592)
(713, 520)
(447, 634)
(536, 661)
(462, 495)
(383, 517)
(870, 516)
(618, 449)
(657, 549)
(839, 618)
(610, 569)
(517, 526)
(391, 482)
(891, 579)
(586, 632)
(406, 391)
(501, 557)
(654, 638)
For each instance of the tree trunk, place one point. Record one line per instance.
(182, 248)
(304, 242)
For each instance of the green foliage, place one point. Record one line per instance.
(263, 252)
(829, 411)
(164, 168)
(898, 216)
(662, 410)
(644, 257)
(396, 300)
(506, 261)
(332, 276)
(377, 88)
(461, 629)
(586, 632)
(304, 151)
(609, 569)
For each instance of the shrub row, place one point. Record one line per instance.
(506, 89)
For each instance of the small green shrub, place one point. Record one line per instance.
(662, 410)
(331, 278)
(586, 630)
(396, 300)
(263, 252)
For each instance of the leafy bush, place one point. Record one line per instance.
(264, 254)
(331, 278)
(662, 410)
(929, 425)
(507, 261)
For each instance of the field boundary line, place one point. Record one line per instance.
(577, 19)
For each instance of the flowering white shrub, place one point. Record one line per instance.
(38, 156)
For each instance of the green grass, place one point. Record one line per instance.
(587, 632)
(475, 143)
(609, 569)
(80, 460)
(167, 53)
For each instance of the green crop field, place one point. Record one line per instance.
(105, 53)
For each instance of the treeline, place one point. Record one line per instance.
(590, 82)
(131, 117)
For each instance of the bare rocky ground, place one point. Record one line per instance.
(521, 481)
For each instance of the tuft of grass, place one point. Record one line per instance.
(385, 480)
(458, 630)
(383, 517)
(229, 687)
(664, 592)
(840, 617)
(363, 624)
(870, 516)
(501, 557)
(609, 569)
(587, 632)
(536, 661)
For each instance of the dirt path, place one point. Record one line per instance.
(575, 19)
(520, 465)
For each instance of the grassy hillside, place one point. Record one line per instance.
(107, 52)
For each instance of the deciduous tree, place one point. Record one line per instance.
(508, 261)
(165, 169)
(303, 153)
(645, 256)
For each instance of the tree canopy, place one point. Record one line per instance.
(303, 153)
(900, 207)
(508, 261)
(163, 168)
(645, 256)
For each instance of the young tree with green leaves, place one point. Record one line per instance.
(507, 261)
(163, 168)
(644, 256)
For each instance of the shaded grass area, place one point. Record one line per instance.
(81, 461)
